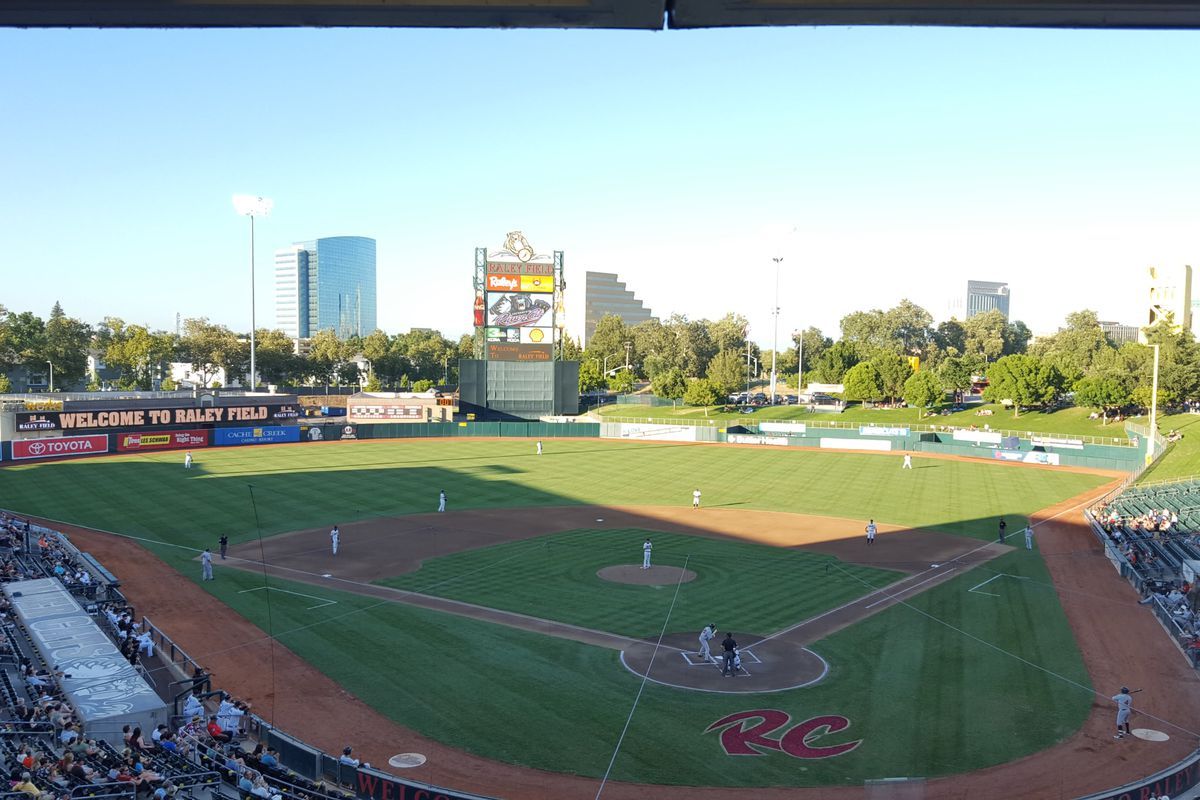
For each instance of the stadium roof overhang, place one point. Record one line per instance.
(626, 14)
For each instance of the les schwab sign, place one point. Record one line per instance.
(137, 418)
(60, 446)
(173, 440)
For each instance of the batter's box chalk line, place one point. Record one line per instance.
(324, 600)
(694, 660)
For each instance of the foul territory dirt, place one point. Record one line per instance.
(1120, 641)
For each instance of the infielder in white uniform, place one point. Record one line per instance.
(1028, 537)
(1124, 703)
(334, 536)
(646, 554)
(441, 500)
(206, 566)
(907, 462)
(706, 636)
(187, 460)
(871, 530)
(696, 499)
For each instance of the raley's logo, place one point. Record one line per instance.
(746, 732)
(503, 283)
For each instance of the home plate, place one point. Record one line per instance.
(407, 760)
(1150, 735)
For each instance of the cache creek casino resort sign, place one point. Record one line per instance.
(518, 301)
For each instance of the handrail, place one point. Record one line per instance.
(1110, 441)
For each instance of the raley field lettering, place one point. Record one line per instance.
(145, 417)
(377, 787)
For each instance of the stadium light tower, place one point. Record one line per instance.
(251, 206)
(775, 337)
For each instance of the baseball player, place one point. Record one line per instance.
(907, 462)
(696, 499)
(224, 543)
(1124, 703)
(187, 460)
(1003, 525)
(646, 554)
(871, 531)
(1028, 537)
(334, 536)
(441, 501)
(539, 447)
(206, 566)
(707, 635)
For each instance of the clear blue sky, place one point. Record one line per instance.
(908, 160)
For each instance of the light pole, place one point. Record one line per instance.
(51, 363)
(775, 337)
(251, 206)
(628, 345)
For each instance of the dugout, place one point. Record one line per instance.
(106, 692)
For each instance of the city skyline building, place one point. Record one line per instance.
(326, 284)
(605, 293)
(985, 296)
(1119, 332)
(1170, 297)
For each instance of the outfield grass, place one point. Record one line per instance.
(925, 699)
(1072, 421)
(304, 486)
(1182, 459)
(555, 577)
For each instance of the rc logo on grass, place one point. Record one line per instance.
(746, 732)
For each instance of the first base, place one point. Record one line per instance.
(1150, 735)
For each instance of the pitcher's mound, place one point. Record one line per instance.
(655, 576)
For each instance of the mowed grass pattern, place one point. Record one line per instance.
(752, 587)
(304, 486)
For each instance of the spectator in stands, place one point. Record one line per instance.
(167, 742)
(217, 732)
(137, 742)
(245, 781)
(261, 789)
(349, 760)
(26, 785)
(230, 714)
(69, 734)
(193, 708)
(270, 759)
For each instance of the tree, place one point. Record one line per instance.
(909, 326)
(814, 344)
(984, 335)
(168, 384)
(372, 384)
(209, 348)
(862, 382)
(1142, 394)
(1102, 393)
(276, 359)
(327, 354)
(609, 340)
(955, 374)
(923, 390)
(1016, 337)
(622, 382)
(951, 337)
(1025, 380)
(726, 372)
(728, 333)
(422, 386)
(700, 392)
(139, 353)
(869, 332)
(5, 384)
(66, 346)
(832, 365)
(893, 370)
(590, 379)
(669, 384)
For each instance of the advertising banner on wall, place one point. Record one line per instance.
(978, 437)
(60, 446)
(782, 427)
(501, 351)
(516, 309)
(519, 335)
(881, 430)
(146, 417)
(170, 440)
(670, 433)
(45, 421)
(276, 434)
(738, 438)
(1050, 441)
(828, 443)
(1027, 458)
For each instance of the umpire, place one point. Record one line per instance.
(729, 645)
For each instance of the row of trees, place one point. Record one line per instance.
(140, 356)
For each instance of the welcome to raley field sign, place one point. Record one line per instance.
(146, 417)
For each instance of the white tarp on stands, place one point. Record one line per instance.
(105, 691)
(829, 443)
(669, 433)
(978, 437)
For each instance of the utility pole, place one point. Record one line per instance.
(775, 337)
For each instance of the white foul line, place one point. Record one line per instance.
(985, 583)
(908, 589)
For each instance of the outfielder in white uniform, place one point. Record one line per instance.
(646, 554)
(441, 500)
(871, 530)
(1124, 703)
(907, 462)
(334, 536)
(187, 460)
(539, 447)
(706, 636)
(696, 499)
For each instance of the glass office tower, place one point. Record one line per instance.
(326, 284)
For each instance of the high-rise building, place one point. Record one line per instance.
(326, 284)
(986, 295)
(604, 294)
(1119, 333)
(1170, 297)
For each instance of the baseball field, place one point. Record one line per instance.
(500, 627)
